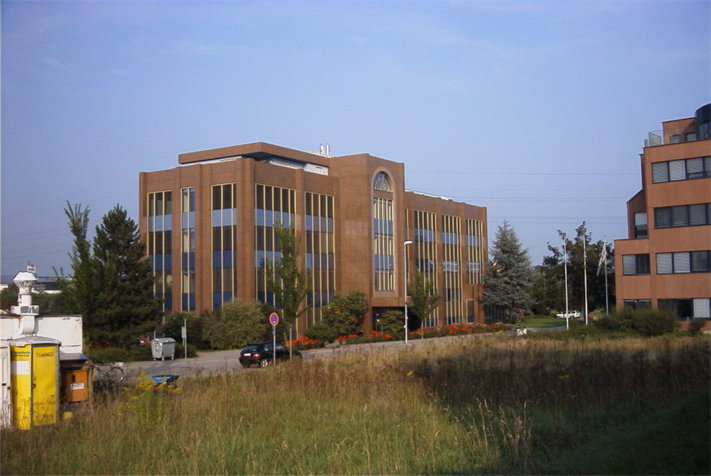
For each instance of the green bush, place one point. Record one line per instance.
(646, 322)
(195, 323)
(322, 332)
(238, 323)
(393, 322)
(696, 325)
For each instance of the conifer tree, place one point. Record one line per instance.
(112, 283)
(507, 277)
(126, 304)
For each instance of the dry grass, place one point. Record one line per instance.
(478, 405)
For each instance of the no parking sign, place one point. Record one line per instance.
(274, 318)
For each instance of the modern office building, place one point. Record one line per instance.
(208, 225)
(665, 261)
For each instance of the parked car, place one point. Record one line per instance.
(263, 355)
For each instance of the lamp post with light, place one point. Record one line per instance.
(404, 254)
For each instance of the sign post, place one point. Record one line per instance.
(274, 320)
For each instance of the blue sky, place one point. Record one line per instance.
(537, 110)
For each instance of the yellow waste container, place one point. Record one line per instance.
(34, 373)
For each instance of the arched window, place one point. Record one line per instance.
(382, 182)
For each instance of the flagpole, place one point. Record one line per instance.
(585, 277)
(607, 297)
(565, 270)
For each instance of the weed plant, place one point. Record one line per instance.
(479, 405)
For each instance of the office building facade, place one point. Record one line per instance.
(209, 228)
(665, 262)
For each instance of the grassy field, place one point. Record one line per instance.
(481, 405)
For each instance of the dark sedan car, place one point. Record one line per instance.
(263, 355)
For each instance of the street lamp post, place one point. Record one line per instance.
(404, 254)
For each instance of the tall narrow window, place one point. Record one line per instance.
(383, 246)
(224, 232)
(159, 250)
(475, 251)
(320, 252)
(426, 255)
(272, 205)
(187, 223)
(451, 258)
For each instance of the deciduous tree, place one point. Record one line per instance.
(424, 300)
(286, 278)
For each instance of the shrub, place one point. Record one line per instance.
(195, 323)
(322, 332)
(238, 323)
(646, 322)
(393, 322)
(696, 325)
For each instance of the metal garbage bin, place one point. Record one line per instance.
(163, 347)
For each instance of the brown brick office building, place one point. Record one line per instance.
(208, 227)
(665, 261)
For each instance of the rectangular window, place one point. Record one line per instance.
(660, 172)
(683, 308)
(640, 225)
(451, 259)
(319, 242)
(682, 263)
(684, 169)
(159, 246)
(635, 264)
(699, 262)
(272, 205)
(683, 215)
(677, 170)
(224, 232)
(187, 213)
(695, 168)
(383, 244)
(702, 308)
(474, 250)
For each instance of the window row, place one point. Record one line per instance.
(684, 169)
(668, 263)
(699, 308)
(683, 215)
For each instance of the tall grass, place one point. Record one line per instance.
(481, 405)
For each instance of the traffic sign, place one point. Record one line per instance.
(274, 318)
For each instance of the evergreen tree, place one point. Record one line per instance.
(126, 306)
(81, 291)
(508, 276)
(424, 300)
(286, 278)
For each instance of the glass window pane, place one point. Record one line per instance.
(643, 264)
(660, 172)
(702, 308)
(664, 263)
(629, 265)
(680, 216)
(677, 170)
(697, 214)
(662, 217)
(700, 261)
(695, 168)
(682, 263)
(640, 218)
